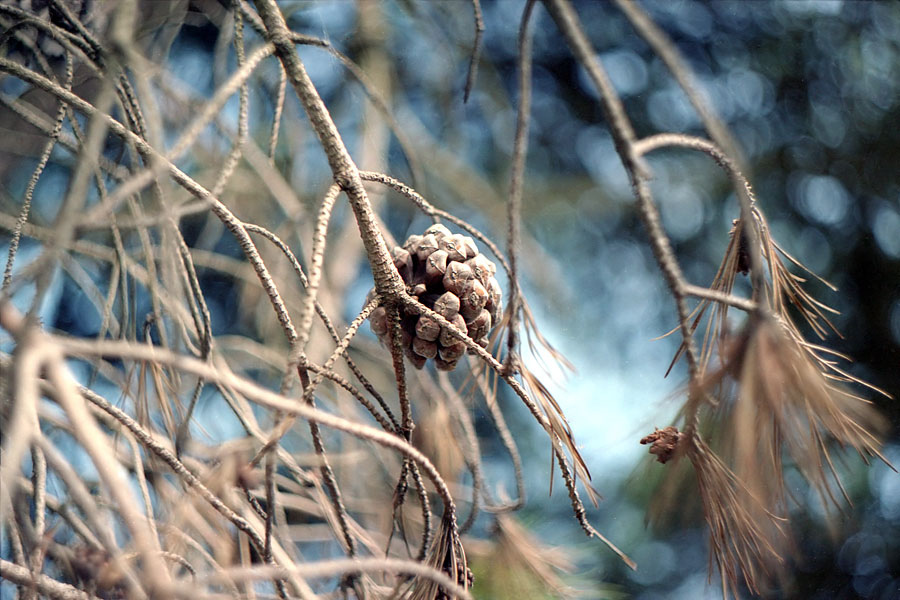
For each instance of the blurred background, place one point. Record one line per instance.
(811, 92)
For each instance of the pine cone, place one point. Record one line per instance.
(445, 272)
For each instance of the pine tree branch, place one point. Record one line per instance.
(388, 283)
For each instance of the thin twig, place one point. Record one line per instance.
(472, 74)
(295, 265)
(44, 584)
(39, 486)
(189, 135)
(431, 211)
(721, 297)
(683, 74)
(279, 109)
(231, 161)
(10, 320)
(387, 280)
(514, 203)
(624, 139)
(35, 176)
(337, 567)
(177, 466)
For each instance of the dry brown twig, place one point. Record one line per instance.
(179, 305)
(786, 398)
(162, 365)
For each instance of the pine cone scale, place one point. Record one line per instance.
(446, 273)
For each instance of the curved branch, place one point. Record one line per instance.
(681, 71)
(624, 138)
(514, 203)
(472, 74)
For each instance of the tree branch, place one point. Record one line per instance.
(388, 283)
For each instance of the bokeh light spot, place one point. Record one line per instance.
(886, 228)
(626, 70)
(822, 199)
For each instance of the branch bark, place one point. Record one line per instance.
(388, 283)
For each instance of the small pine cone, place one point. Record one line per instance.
(445, 365)
(412, 242)
(483, 268)
(495, 300)
(471, 248)
(417, 361)
(456, 251)
(438, 231)
(447, 274)
(406, 337)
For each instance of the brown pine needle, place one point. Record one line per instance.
(745, 538)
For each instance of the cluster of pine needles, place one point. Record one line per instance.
(764, 401)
